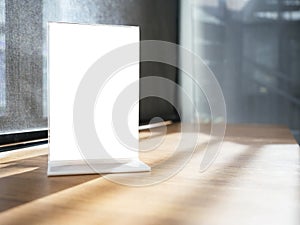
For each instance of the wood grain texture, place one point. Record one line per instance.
(254, 180)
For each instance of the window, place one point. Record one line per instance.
(23, 54)
(253, 48)
(2, 58)
(21, 67)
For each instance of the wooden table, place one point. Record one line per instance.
(254, 180)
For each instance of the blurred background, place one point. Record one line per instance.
(252, 46)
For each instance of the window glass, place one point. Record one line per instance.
(23, 51)
(253, 48)
(2, 58)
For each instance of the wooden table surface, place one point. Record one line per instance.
(254, 180)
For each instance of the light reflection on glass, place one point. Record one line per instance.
(2, 57)
(253, 47)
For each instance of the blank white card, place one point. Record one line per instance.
(72, 51)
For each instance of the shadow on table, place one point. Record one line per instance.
(26, 180)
